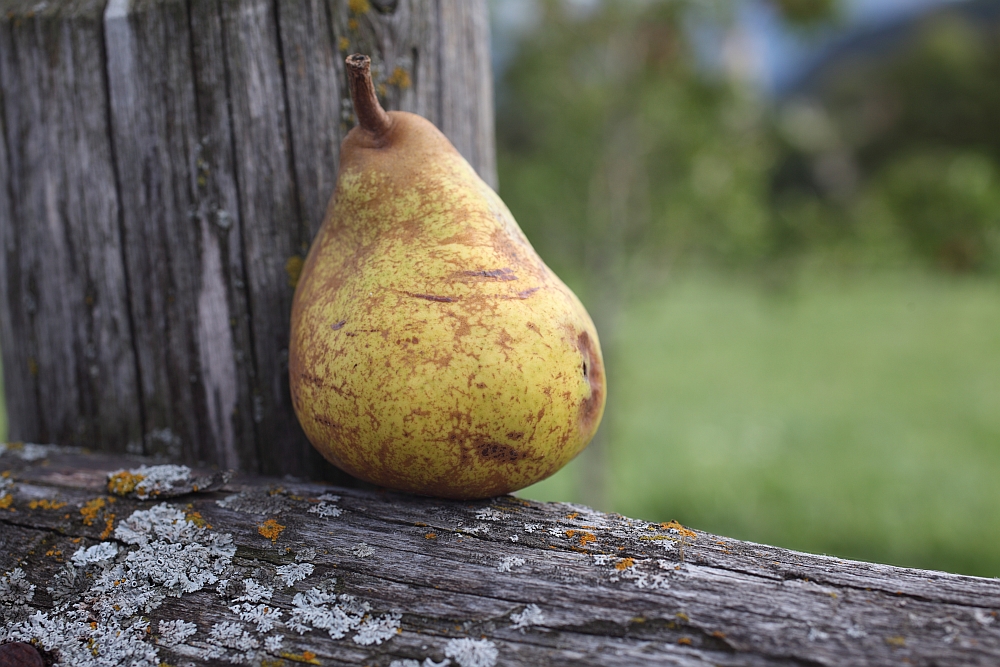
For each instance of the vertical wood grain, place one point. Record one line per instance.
(69, 364)
(165, 165)
(185, 342)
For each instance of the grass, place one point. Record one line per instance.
(852, 416)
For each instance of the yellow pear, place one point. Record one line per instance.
(432, 351)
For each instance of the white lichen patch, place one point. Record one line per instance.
(508, 562)
(472, 652)
(233, 636)
(513, 538)
(86, 644)
(326, 510)
(377, 629)
(530, 615)
(531, 527)
(176, 632)
(489, 514)
(32, 452)
(477, 529)
(155, 480)
(262, 615)
(273, 643)
(289, 574)
(362, 550)
(407, 662)
(97, 553)
(321, 609)
(103, 625)
(255, 592)
(317, 609)
(638, 570)
(15, 594)
(984, 617)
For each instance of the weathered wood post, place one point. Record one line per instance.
(164, 166)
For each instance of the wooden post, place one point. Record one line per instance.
(164, 167)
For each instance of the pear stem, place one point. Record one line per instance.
(371, 116)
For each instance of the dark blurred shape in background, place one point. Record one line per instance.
(784, 217)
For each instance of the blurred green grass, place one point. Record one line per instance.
(855, 416)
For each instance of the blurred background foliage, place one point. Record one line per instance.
(796, 284)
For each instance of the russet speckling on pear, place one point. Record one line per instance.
(432, 351)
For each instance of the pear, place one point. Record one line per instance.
(432, 351)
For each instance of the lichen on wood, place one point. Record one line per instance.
(190, 580)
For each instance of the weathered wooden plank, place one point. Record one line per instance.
(314, 74)
(223, 300)
(182, 290)
(69, 365)
(274, 233)
(466, 82)
(462, 578)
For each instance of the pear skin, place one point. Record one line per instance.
(432, 351)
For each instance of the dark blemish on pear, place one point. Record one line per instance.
(499, 452)
(434, 297)
(339, 325)
(499, 274)
(590, 406)
(515, 435)
(528, 292)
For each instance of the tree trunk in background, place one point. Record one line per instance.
(164, 167)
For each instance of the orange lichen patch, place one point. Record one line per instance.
(430, 536)
(270, 529)
(275, 490)
(55, 553)
(897, 641)
(358, 6)
(573, 515)
(91, 509)
(306, 656)
(344, 43)
(196, 518)
(76, 540)
(109, 526)
(673, 525)
(681, 615)
(684, 640)
(352, 24)
(124, 482)
(46, 504)
(624, 564)
(400, 78)
(420, 524)
(5, 473)
(585, 537)
(718, 634)
(7, 502)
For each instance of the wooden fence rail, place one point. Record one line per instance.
(209, 570)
